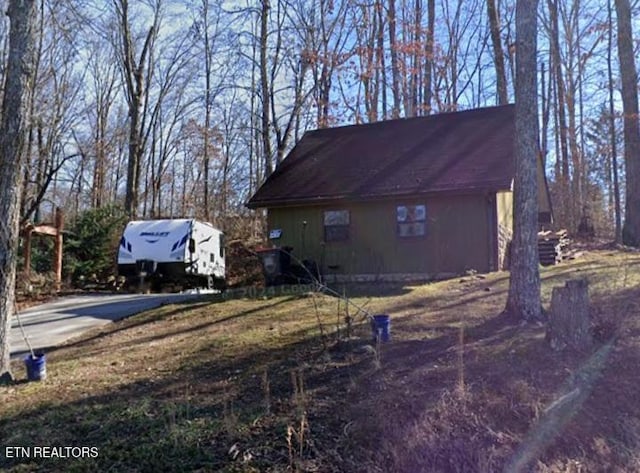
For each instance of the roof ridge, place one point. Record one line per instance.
(388, 121)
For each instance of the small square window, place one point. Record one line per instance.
(336, 225)
(411, 220)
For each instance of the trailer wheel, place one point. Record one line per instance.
(210, 282)
(219, 284)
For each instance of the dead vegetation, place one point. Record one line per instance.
(33, 288)
(243, 268)
(285, 384)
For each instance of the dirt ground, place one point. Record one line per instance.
(293, 382)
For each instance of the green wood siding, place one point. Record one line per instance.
(457, 237)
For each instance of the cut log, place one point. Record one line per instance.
(569, 320)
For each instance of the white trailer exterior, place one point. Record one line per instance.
(177, 251)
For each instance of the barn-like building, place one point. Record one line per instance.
(416, 198)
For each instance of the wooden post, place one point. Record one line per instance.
(569, 321)
(57, 250)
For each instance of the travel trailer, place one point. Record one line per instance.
(179, 252)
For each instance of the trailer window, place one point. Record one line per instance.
(411, 220)
(221, 241)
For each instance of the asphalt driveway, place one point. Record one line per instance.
(51, 324)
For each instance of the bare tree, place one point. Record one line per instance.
(166, 107)
(230, 175)
(369, 49)
(265, 87)
(393, 51)
(163, 148)
(524, 283)
(459, 63)
(103, 76)
(612, 131)
(575, 30)
(18, 83)
(135, 71)
(322, 32)
(55, 105)
(380, 57)
(209, 30)
(429, 56)
(498, 54)
(629, 76)
(284, 87)
(562, 162)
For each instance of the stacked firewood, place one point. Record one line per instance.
(552, 247)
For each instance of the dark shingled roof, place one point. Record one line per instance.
(455, 152)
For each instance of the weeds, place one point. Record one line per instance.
(377, 352)
(230, 419)
(319, 322)
(460, 350)
(177, 413)
(266, 391)
(347, 316)
(321, 287)
(297, 434)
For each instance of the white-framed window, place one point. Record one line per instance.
(411, 220)
(336, 225)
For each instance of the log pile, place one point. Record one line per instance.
(552, 247)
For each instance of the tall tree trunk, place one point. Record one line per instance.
(97, 193)
(584, 163)
(393, 51)
(103, 76)
(371, 75)
(524, 283)
(498, 56)
(546, 107)
(254, 142)
(32, 116)
(135, 89)
(429, 53)
(575, 199)
(629, 76)
(612, 133)
(264, 88)
(381, 68)
(207, 108)
(13, 127)
(416, 63)
(556, 65)
(134, 164)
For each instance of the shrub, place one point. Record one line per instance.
(91, 244)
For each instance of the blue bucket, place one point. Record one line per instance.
(36, 367)
(381, 326)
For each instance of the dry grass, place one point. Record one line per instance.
(267, 385)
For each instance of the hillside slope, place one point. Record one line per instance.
(283, 383)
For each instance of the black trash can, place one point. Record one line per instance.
(276, 263)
